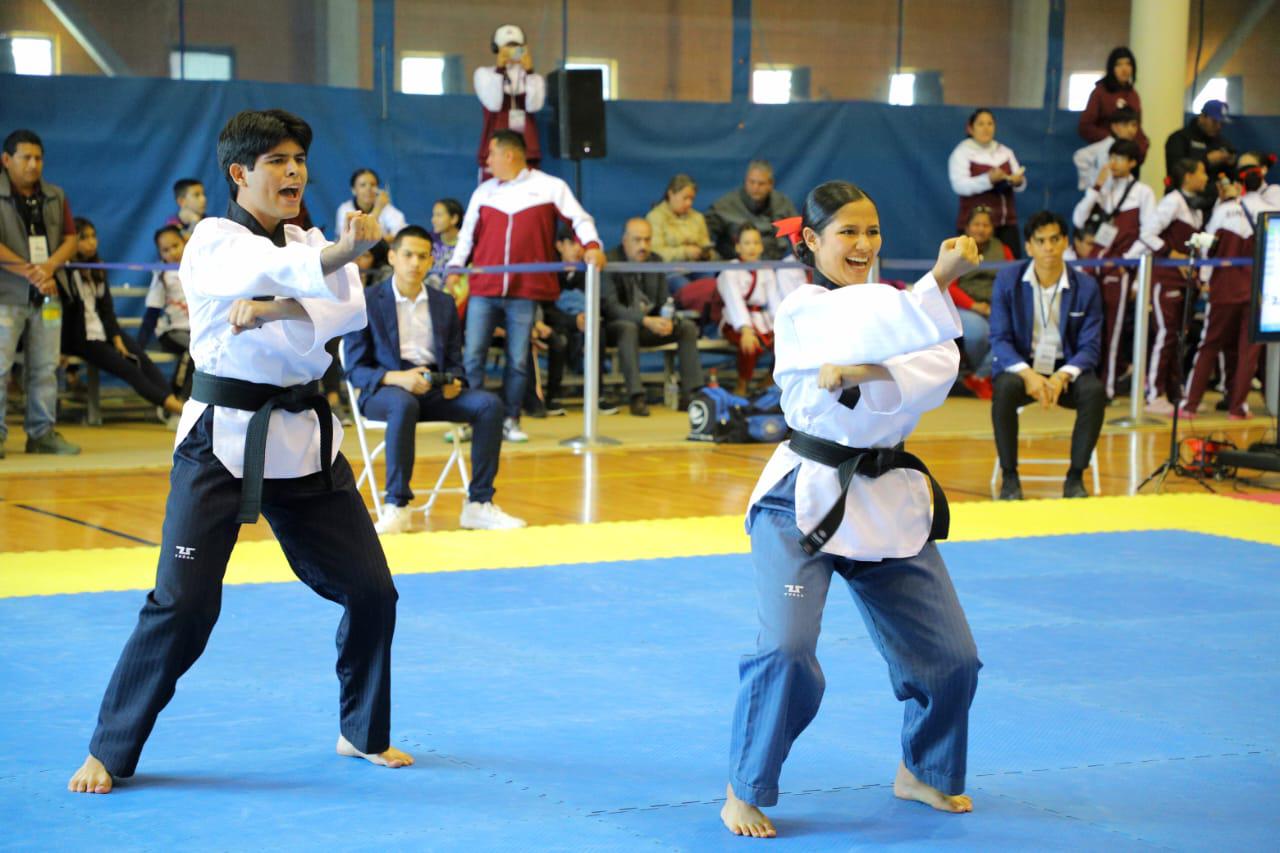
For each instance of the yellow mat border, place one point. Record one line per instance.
(27, 573)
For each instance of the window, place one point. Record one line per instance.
(202, 64)
(422, 74)
(32, 55)
(771, 85)
(1080, 87)
(608, 73)
(1214, 90)
(902, 89)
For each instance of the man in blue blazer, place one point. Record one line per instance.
(413, 331)
(1046, 338)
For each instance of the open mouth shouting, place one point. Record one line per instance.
(292, 194)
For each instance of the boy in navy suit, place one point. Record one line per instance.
(413, 331)
(1046, 337)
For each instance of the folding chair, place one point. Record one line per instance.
(364, 426)
(1045, 478)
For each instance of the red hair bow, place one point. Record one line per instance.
(790, 228)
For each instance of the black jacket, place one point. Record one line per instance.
(631, 295)
(73, 329)
(1193, 143)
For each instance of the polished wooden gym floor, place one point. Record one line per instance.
(113, 495)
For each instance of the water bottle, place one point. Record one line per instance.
(671, 393)
(669, 309)
(712, 380)
(51, 312)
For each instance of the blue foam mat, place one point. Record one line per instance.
(1127, 702)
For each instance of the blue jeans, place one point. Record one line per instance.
(977, 341)
(914, 619)
(484, 314)
(402, 411)
(40, 365)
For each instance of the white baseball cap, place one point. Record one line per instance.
(508, 34)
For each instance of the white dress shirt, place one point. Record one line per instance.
(912, 334)
(223, 262)
(1038, 315)
(413, 318)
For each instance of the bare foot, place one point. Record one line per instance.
(91, 778)
(907, 787)
(745, 819)
(389, 757)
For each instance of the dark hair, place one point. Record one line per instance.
(13, 140)
(1126, 148)
(1180, 169)
(181, 186)
(508, 139)
(358, 172)
(1040, 220)
(820, 206)
(453, 207)
(252, 133)
(979, 210)
(1109, 80)
(678, 182)
(81, 223)
(410, 231)
(165, 229)
(973, 116)
(1082, 231)
(1122, 115)
(743, 228)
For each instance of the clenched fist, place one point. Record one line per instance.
(956, 257)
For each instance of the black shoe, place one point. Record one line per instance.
(538, 410)
(1073, 487)
(639, 407)
(555, 410)
(1011, 488)
(608, 406)
(685, 400)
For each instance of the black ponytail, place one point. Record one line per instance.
(821, 206)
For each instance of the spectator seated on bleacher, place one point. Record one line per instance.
(1091, 159)
(757, 202)
(680, 232)
(189, 194)
(166, 313)
(971, 293)
(412, 333)
(638, 311)
(751, 299)
(446, 222)
(368, 197)
(91, 333)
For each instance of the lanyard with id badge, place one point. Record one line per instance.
(1105, 232)
(1046, 354)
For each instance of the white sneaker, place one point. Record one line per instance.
(511, 431)
(395, 519)
(1160, 406)
(487, 516)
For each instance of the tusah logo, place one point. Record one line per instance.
(185, 553)
(793, 590)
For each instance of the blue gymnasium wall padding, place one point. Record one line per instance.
(117, 145)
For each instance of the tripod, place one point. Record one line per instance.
(1176, 379)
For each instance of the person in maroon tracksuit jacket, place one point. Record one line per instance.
(1226, 322)
(1178, 218)
(1113, 91)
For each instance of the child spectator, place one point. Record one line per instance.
(1114, 92)
(189, 194)
(91, 333)
(446, 221)
(1091, 158)
(1082, 244)
(751, 299)
(1262, 162)
(166, 312)
(1122, 213)
(1226, 321)
(985, 173)
(971, 293)
(368, 197)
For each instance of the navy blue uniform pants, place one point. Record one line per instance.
(331, 546)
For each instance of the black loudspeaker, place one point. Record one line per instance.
(577, 97)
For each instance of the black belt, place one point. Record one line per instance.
(262, 399)
(865, 462)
